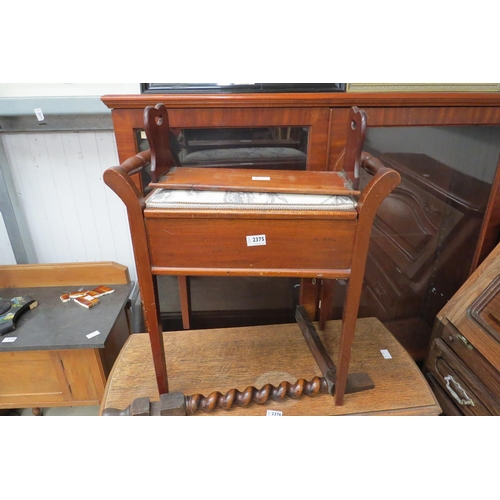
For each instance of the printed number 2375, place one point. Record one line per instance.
(256, 240)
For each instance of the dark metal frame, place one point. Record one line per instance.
(231, 88)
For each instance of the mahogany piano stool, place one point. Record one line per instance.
(322, 243)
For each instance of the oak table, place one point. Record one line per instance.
(48, 360)
(202, 361)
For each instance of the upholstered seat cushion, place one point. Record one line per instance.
(194, 199)
(241, 154)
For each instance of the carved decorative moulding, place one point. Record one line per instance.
(485, 310)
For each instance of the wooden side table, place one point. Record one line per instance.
(202, 361)
(51, 362)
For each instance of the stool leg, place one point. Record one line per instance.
(309, 296)
(151, 307)
(382, 183)
(185, 295)
(326, 302)
(349, 318)
(120, 181)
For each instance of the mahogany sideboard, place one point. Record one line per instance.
(398, 287)
(48, 360)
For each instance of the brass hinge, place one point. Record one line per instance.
(464, 341)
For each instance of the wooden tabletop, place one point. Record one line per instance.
(202, 361)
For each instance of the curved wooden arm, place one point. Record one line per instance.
(384, 180)
(136, 163)
(119, 180)
(371, 164)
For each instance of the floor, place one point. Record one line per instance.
(70, 411)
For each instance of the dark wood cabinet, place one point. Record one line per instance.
(461, 385)
(464, 356)
(431, 233)
(422, 246)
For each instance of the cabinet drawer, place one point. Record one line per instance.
(32, 377)
(387, 293)
(447, 404)
(472, 358)
(466, 390)
(409, 228)
(50, 378)
(220, 244)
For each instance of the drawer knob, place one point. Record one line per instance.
(464, 400)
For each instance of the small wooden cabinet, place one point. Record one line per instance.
(52, 362)
(50, 378)
(463, 365)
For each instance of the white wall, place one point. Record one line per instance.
(71, 214)
(66, 89)
(6, 253)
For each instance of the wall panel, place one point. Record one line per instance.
(71, 214)
(6, 252)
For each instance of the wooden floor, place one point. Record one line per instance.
(202, 361)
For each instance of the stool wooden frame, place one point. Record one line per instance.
(319, 244)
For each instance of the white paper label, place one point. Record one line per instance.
(39, 114)
(9, 339)
(256, 240)
(385, 353)
(257, 178)
(274, 413)
(93, 334)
